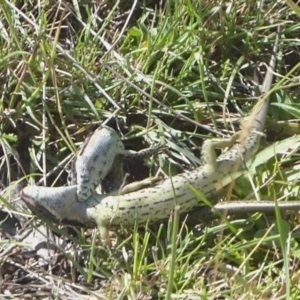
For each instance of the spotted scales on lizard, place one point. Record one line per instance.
(100, 157)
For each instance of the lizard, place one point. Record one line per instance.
(154, 203)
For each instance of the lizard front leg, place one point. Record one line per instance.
(208, 153)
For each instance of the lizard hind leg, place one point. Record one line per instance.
(208, 151)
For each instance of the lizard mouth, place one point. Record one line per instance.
(35, 207)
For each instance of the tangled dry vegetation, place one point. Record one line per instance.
(158, 72)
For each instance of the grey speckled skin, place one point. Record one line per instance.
(97, 158)
(155, 203)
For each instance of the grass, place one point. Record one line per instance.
(159, 72)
